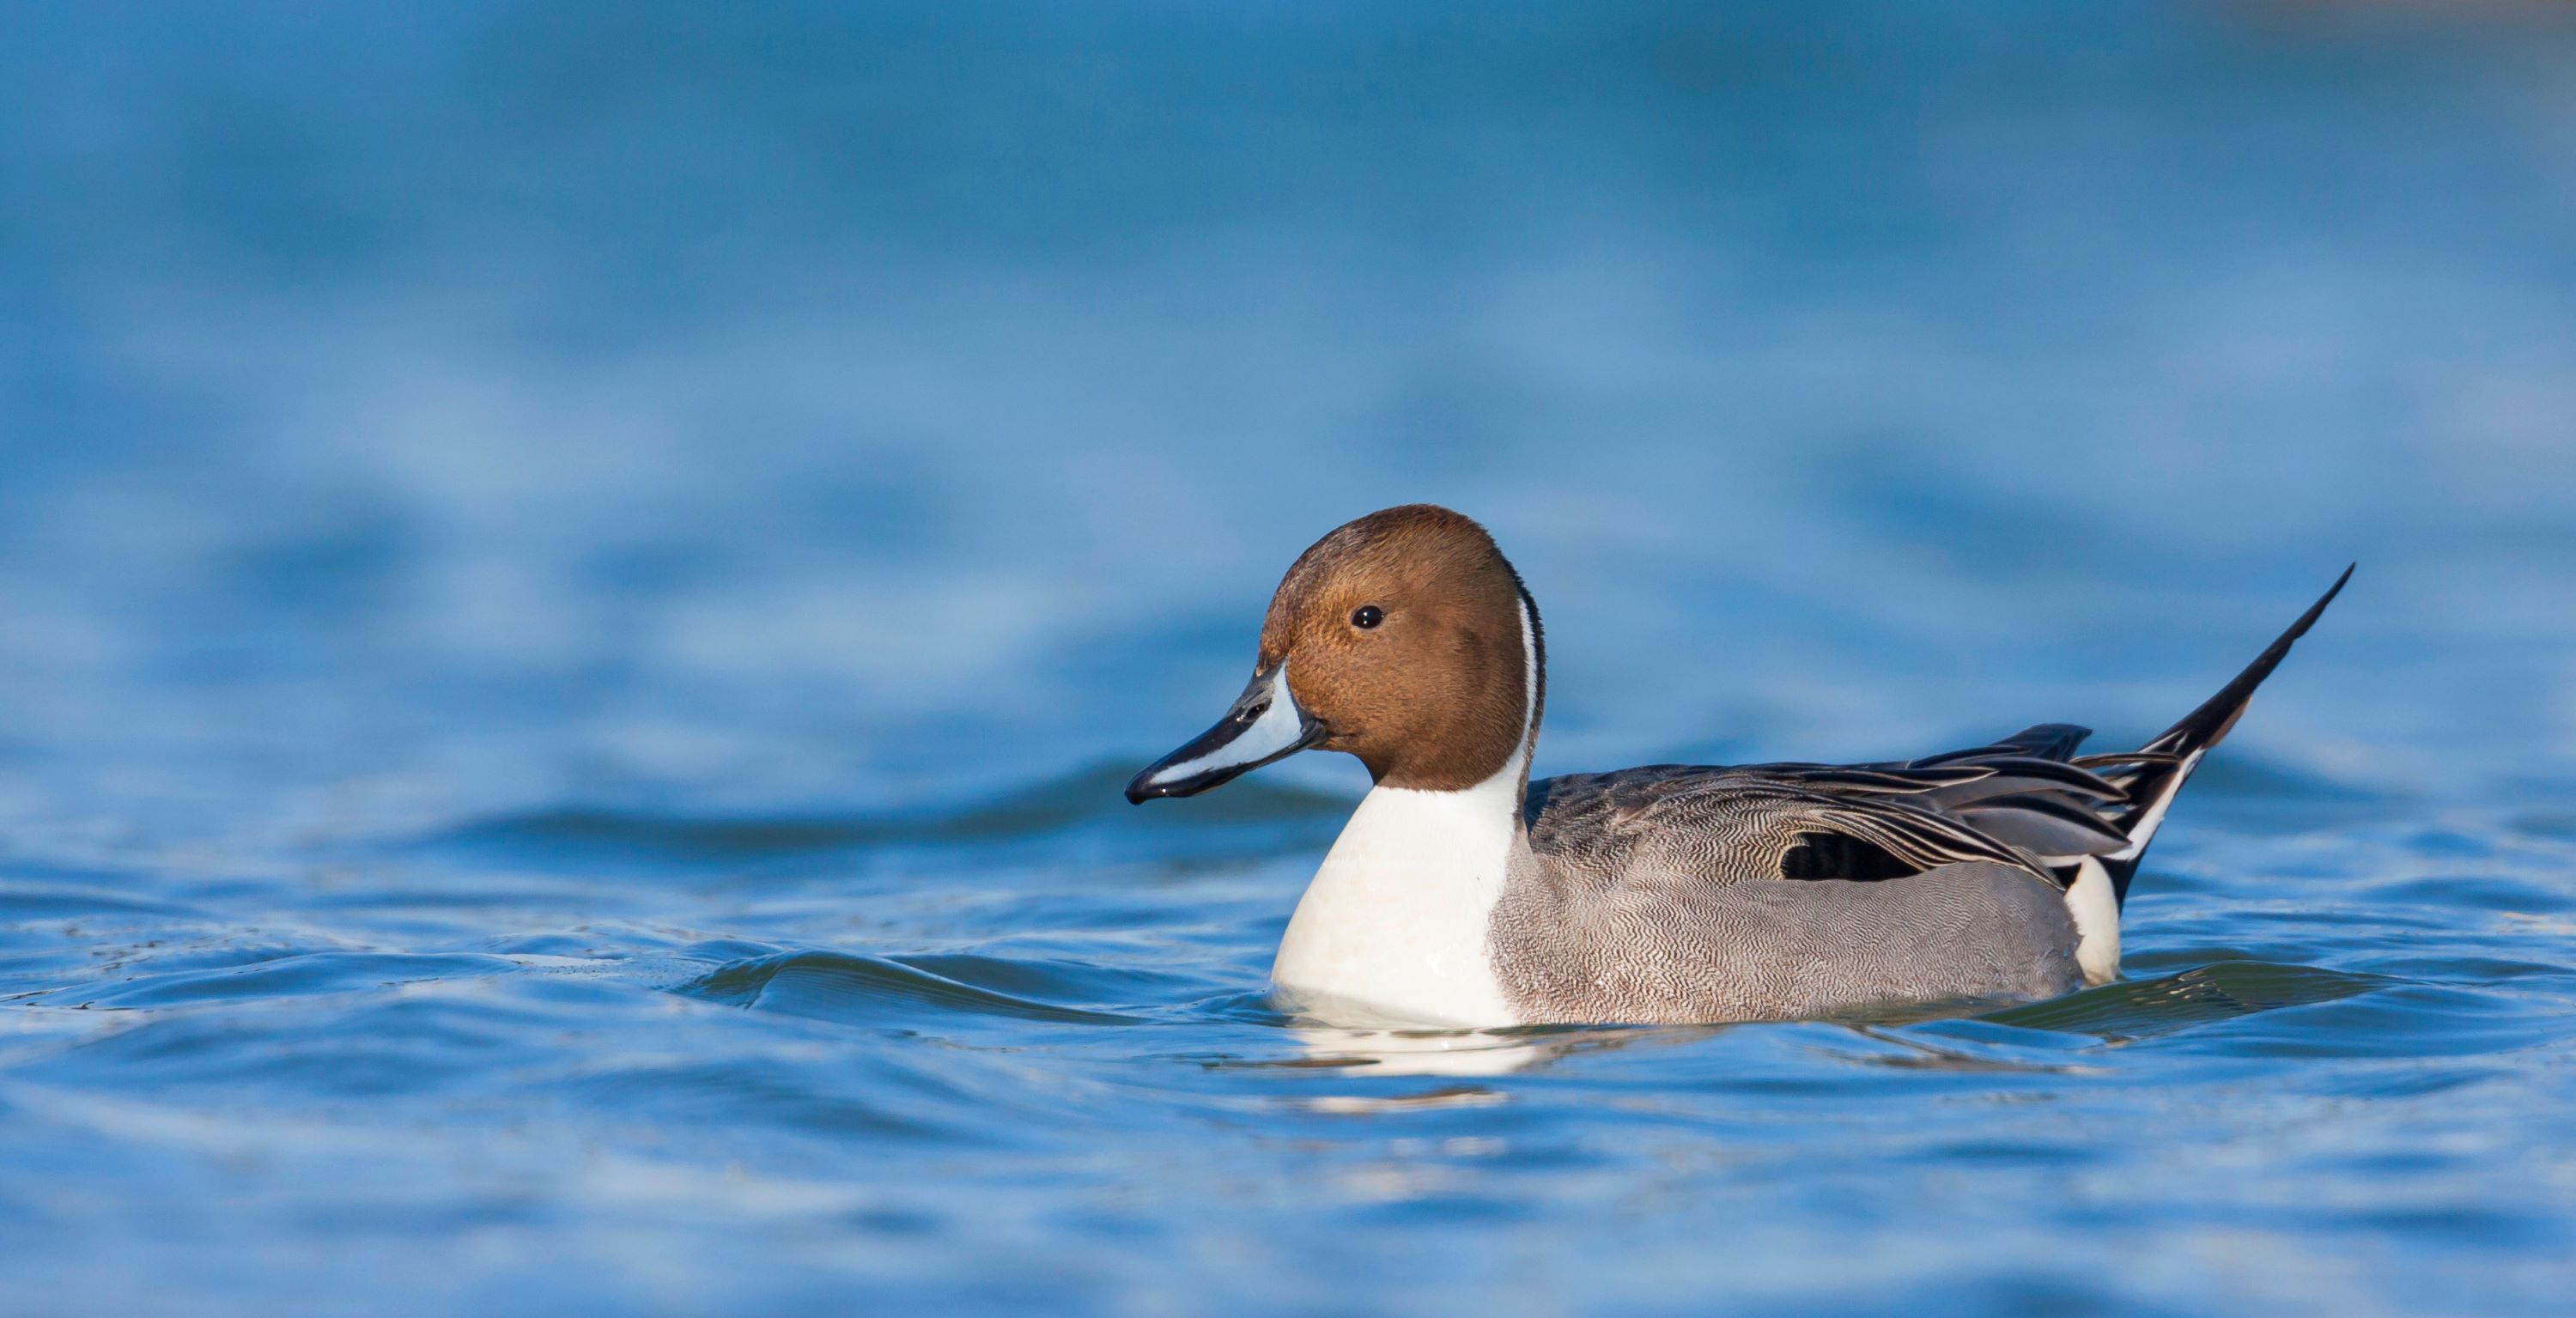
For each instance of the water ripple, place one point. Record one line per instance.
(887, 991)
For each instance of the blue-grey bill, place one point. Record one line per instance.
(1264, 725)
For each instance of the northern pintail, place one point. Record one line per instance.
(1462, 893)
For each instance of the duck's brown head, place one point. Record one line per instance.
(1404, 638)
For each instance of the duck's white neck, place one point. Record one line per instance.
(1393, 928)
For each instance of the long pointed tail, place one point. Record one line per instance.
(2155, 772)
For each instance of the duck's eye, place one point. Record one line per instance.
(1367, 616)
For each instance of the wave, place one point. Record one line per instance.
(1087, 797)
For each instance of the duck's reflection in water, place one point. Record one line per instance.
(1360, 1053)
(1356, 1053)
(1425, 1052)
(1366, 1051)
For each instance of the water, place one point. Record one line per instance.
(577, 583)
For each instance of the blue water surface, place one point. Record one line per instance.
(578, 582)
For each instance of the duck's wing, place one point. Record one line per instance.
(2027, 800)
(1678, 892)
(2017, 802)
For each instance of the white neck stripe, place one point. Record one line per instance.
(1529, 677)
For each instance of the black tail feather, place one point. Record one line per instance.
(2161, 765)
(2049, 741)
(2207, 726)
(2045, 741)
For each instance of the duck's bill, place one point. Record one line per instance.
(1264, 725)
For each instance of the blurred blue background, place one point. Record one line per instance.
(511, 514)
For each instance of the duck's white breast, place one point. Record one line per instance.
(1393, 926)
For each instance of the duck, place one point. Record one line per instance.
(1463, 894)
